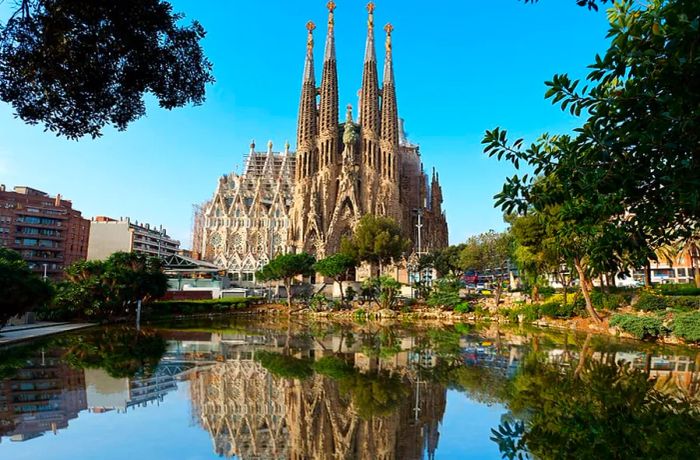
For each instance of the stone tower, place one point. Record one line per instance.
(345, 170)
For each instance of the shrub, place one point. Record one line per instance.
(687, 326)
(555, 309)
(350, 294)
(529, 312)
(191, 307)
(639, 326)
(463, 307)
(318, 302)
(683, 302)
(408, 302)
(445, 293)
(651, 302)
(678, 289)
(602, 300)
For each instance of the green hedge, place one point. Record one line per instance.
(193, 307)
(639, 326)
(602, 300)
(557, 309)
(678, 289)
(533, 312)
(687, 326)
(654, 302)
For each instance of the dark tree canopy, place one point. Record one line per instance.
(377, 240)
(79, 66)
(105, 288)
(590, 4)
(20, 288)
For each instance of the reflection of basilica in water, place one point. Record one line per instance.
(252, 414)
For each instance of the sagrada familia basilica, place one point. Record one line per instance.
(310, 199)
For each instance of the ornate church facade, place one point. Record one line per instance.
(246, 223)
(346, 170)
(310, 199)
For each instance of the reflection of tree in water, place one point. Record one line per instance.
(597, 409)
(120, 351)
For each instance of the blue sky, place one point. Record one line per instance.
(461, 67)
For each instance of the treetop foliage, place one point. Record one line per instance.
(590, 4)
(21, 288)
(377, 240)
(625, 183)
(104, 288)
(77, 66)
(287, 266)
(486, 251)
(335, 266)
(634, 161)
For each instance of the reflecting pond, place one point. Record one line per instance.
(288, 390)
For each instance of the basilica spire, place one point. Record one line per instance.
(307, 127)
(328, 113)
(390, 118)
(369, 96)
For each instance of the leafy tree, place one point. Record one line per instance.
(21, 288)
(134, 277)
(446, 261)
(488, 252)
(590, 4)
(377, 240)
(625, 183)
(336, 267)
(286, 267)
(77, 67)
(111, 287)
(535, 248)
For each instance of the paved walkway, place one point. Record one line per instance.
(13, 334)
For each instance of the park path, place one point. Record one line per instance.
(14, 334)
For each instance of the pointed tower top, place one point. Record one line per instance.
(330, 40)
(369, 46)
(331, 18)
(269, 146)
(309, 63)
(252, 145)
(348, 113)
(388, 65)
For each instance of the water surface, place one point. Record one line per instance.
(280, 390)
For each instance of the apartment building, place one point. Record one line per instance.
(108, 236)
(45, 230)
